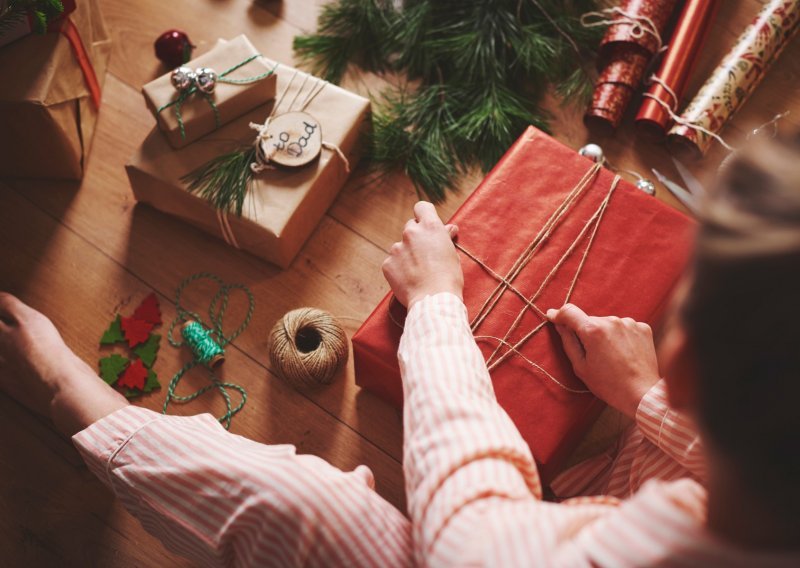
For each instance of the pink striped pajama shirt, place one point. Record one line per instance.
(473, 489)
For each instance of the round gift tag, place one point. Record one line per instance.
(293, 139)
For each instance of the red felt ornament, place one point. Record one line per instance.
(148, 311)
(134, 376)
(136, 331)
(173, 48)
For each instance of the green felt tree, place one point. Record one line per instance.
(114, 333)
(477, 71)
(147, 351)
(112, 366)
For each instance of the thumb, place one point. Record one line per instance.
(452, 230)
(572, 345)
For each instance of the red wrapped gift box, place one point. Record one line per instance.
(638, 252)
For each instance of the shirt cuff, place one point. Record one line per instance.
(102, 440)
(653, 409)
(443, 304)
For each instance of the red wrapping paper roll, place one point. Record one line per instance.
(676, 67)
(624, 53)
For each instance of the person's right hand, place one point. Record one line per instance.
(425, 261)
(615, 357)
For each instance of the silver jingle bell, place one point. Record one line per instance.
(593, 152)
(182, 78)
(206, 79)
(647, 186)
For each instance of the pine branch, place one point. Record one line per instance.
(481, 68)
(225, 180)
(42, 11)
(349, 30)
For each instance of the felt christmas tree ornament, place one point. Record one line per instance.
(133, 376)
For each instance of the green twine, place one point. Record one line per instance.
(200, 338)
(205, 349)
(221, 79)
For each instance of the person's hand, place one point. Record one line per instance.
(616, 358)
(425, 262)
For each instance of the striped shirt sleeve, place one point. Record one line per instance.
(670, 431)
(460, 446)
(221, 499)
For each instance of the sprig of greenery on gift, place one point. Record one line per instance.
(43, 12)
(476, 71)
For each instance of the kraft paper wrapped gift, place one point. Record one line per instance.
(46, 114)
(284, 205)
(637, 255)
(231, 99)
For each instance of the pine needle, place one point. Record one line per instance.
(481, 68)
(225, 180)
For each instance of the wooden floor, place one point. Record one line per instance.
(81, 252)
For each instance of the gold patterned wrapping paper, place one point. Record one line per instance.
(735, 79)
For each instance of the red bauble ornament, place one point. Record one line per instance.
(173, 48)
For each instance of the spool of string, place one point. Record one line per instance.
(199, 340)
(307, 347)
(207, 343)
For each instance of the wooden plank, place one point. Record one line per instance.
(80, 287)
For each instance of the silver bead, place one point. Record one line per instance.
(647, 186)
(206, 79)
(182, 78)
(593, 152)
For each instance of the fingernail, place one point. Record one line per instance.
(552, 313)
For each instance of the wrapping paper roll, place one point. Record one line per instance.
(685, 45)
(634, 36)
(736, 77)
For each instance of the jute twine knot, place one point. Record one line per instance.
(307, 347)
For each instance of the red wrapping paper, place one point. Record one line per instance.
(676, 66)
(623, 57)
(638, 254)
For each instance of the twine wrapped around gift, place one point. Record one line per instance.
(225, 180)
(506, 347)
(184, 94)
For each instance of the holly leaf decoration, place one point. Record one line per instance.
(134, 376)
(149, 310)
(136, 331)
(147, 350)
(152, 381)
(113, 334)
(112, 366)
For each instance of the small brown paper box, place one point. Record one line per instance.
(283, 205)
(232, 100)
(47, 118)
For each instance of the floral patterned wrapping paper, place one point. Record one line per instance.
(738, 75)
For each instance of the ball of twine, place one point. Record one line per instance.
(307, 347)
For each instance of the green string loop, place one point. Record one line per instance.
(205, 341)
(183, 95)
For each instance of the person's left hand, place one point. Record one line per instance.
(425, 262)
(615, 357)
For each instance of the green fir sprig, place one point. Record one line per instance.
(477, 71)
(225, 180)
(43, 12)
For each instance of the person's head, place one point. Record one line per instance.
(734, 357)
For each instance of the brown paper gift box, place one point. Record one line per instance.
(232, 100)
(284, 205)
(46, 114)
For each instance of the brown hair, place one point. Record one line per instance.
(742, 316)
